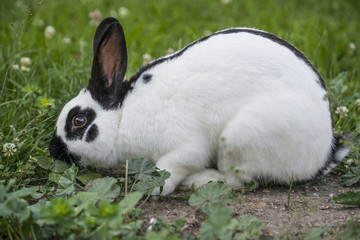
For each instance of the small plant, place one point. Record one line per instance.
(213, 199)
(289, 202)
(316, 233)
(348, 198)
(352, 230)
(352, 177)
(98, 215)
(102, 212)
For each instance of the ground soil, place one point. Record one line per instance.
(310, 207)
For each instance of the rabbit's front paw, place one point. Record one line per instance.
(166, 189)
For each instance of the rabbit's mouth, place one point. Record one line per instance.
(59, 151)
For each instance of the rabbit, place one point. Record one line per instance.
(238, 105)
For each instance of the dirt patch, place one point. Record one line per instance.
(310, 207)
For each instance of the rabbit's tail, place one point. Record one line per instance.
(338, 152)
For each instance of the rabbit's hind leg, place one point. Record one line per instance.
(256, 144)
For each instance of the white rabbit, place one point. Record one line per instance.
(238, 105)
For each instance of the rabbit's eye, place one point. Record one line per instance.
(79, 121)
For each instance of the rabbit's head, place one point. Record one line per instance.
(87, 126)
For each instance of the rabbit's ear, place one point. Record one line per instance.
(109, 63)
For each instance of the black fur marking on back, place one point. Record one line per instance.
(92, 133)
(230, 31)
(78, 133)
(147, 78)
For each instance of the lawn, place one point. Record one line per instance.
(45, 59)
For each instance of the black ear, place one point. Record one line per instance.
(109, 64)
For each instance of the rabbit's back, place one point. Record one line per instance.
(232, 69)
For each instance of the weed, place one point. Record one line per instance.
(289, 202)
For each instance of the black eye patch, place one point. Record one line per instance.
(92, 133)
(78, 133)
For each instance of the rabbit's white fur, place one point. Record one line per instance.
(239, 100)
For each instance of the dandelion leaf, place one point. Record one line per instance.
(85, 178)
(217, 225)
(66, 182)
(348, 198)
(351, 177)
(45, 163)
(246, 227)
(213, 191)
(106, 188)
(140, 166)
(84, 199)
(59, 166)
(129, 202)
(316, 233)
(151, 180)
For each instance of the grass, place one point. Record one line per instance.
(30, 101)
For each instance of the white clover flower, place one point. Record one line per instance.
(49, 32)
(342, 111)
(123, 12)
(225, 2)
(357, 103)
(151, 223)
(25, 61)
(66, 40)
(350, 161)
(19, 4)
(113, 13)
(25, 69)
(170, 51)
(95, 17)
(352, 48)
(207, 32)
(146, 58)
(38, 22)
(15, 66)
(9, 149)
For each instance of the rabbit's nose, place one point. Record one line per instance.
(59, 151)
